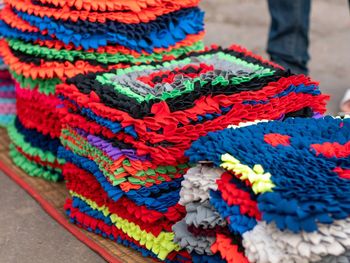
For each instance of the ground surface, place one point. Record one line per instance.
(247, 22)
(27, 234)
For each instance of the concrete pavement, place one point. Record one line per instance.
(29, 235)
(247, 22)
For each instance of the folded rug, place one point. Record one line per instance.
(281, 188)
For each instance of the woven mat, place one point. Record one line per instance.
(51, 196)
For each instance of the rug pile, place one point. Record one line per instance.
(46, 42)
(125, 132)
(7, 92)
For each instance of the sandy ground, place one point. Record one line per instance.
(27, 234)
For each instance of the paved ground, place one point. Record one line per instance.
(27, 234)
(247, 22)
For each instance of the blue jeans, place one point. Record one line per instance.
(288, 41)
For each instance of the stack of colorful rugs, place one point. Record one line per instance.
(7, 92)
(47, 42)
(270, 192)
(125, 132)
(7, 96)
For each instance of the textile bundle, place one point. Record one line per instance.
(7, 96)
(124, 134)
(46, 42)
(269, 192)
(7, 92)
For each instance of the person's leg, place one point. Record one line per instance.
(289, 33)
(345, 103)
